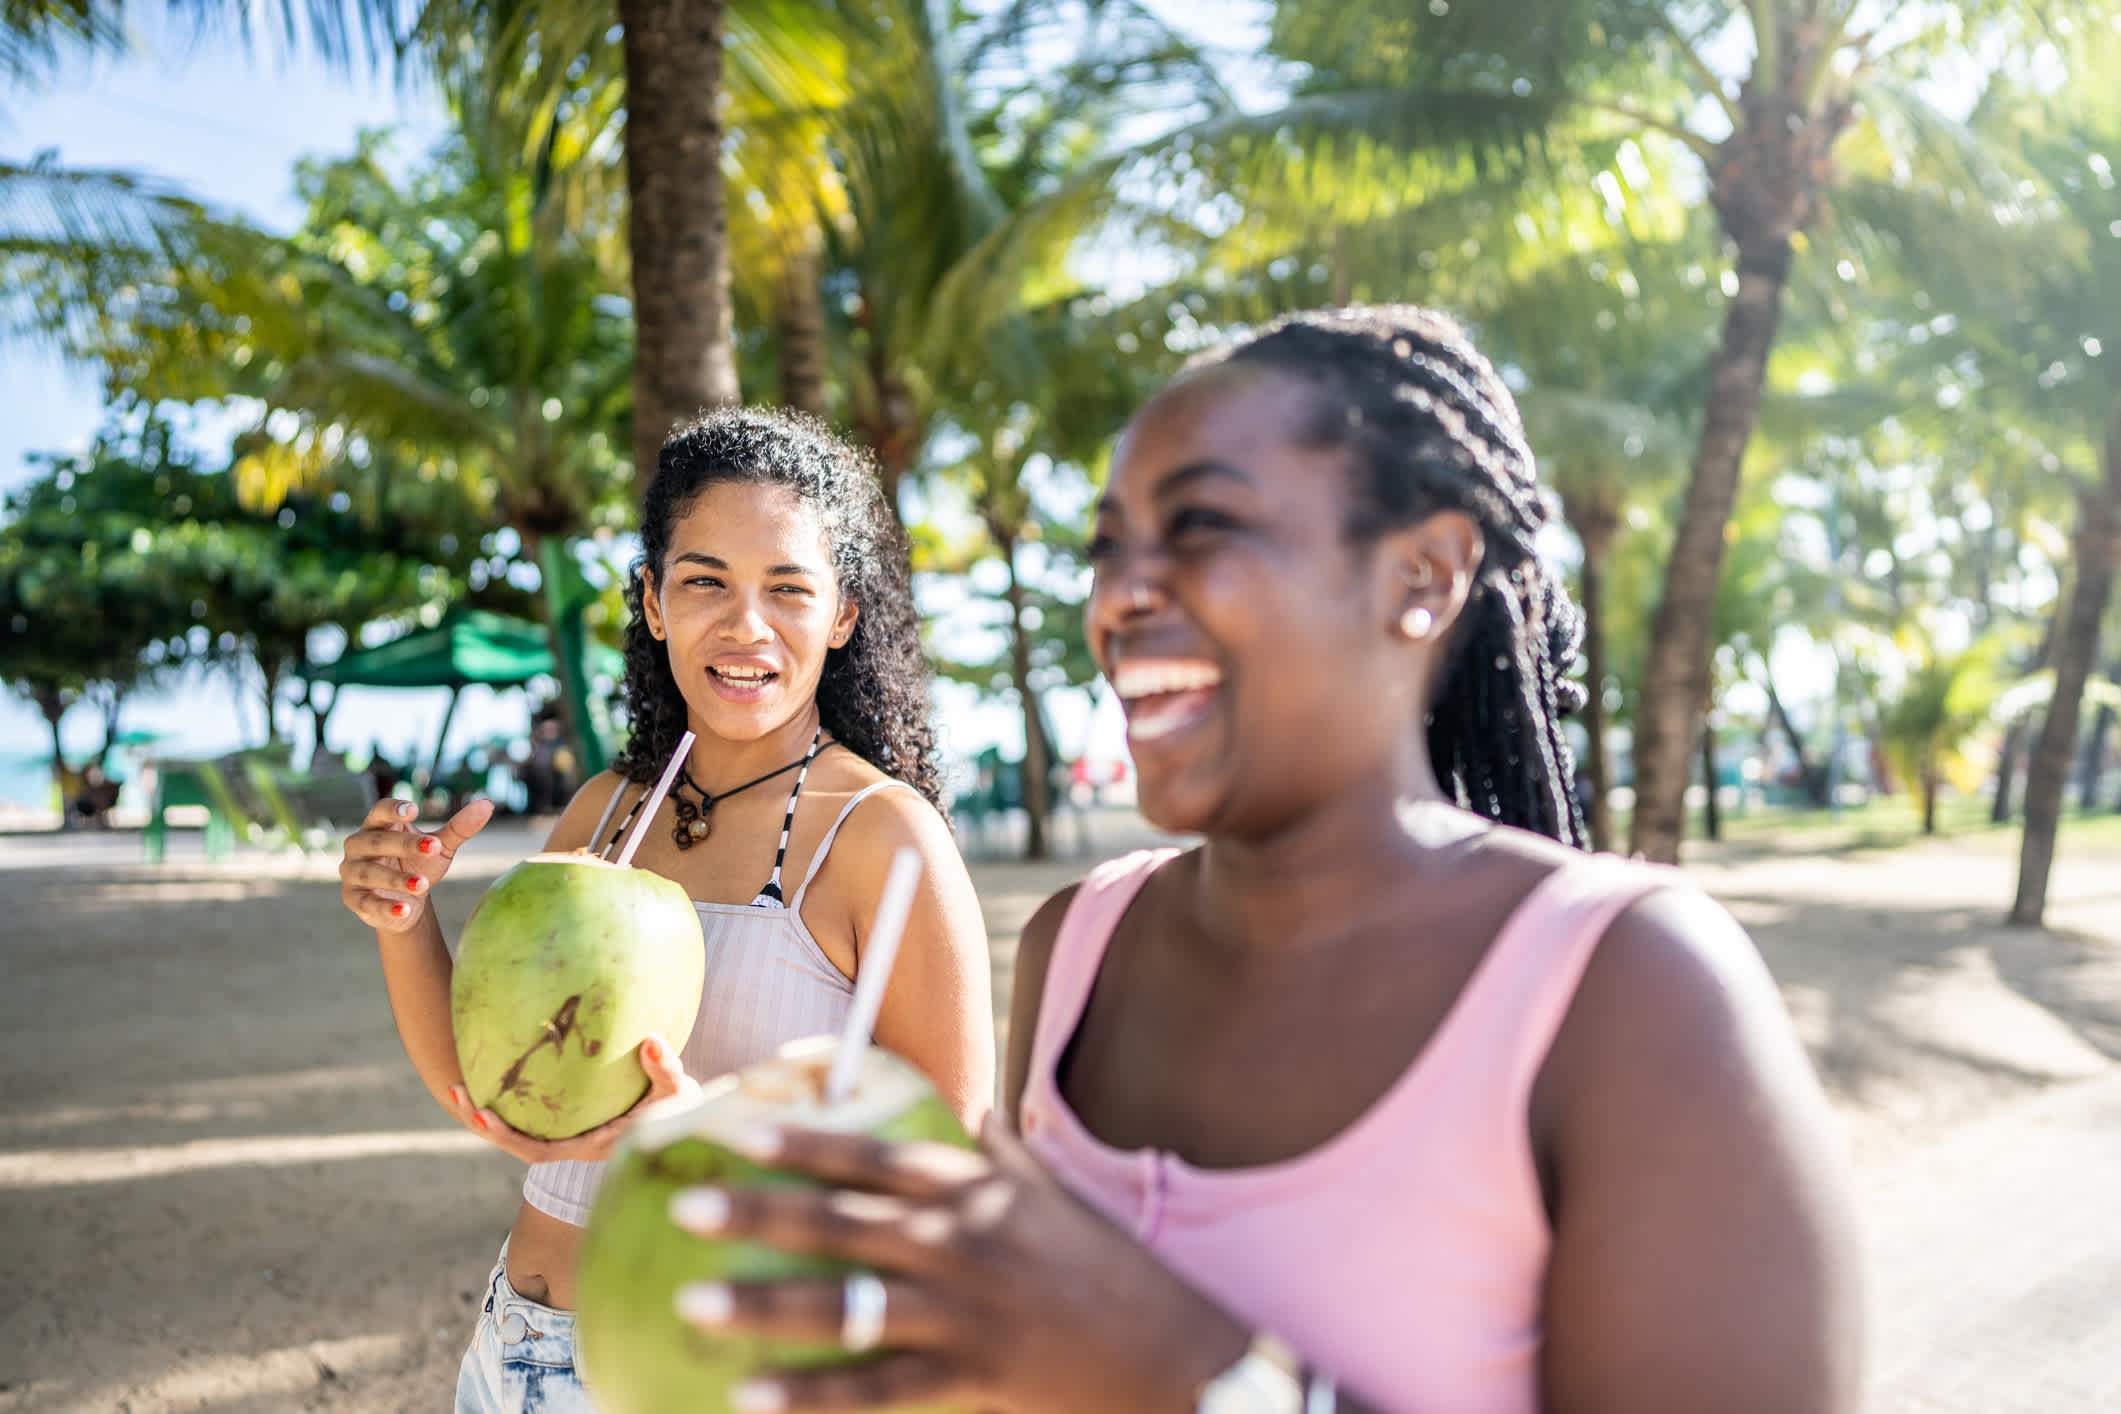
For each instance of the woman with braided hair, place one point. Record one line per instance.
(1386, 1096)
(772, 617)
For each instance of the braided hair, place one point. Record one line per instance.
(873, 695)
(1431, 427)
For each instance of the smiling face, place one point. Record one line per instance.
(748, 607)
(1251, 643)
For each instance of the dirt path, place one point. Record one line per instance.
(222, 1188)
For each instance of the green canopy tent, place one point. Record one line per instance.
(468, 646)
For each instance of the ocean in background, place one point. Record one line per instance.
(26, 779)
(26, 776)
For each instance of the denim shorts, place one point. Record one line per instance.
(521, 1359)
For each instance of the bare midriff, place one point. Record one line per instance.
(541, 1253)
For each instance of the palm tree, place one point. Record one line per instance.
(1945, 698)
(1612, 342)
(461, 327)
(671, 53)
(984, 119)
(1824, 88)
(2038, 323)
(702, 81)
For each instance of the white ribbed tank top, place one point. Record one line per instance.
(768, 983)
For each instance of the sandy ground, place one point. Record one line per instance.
(222, 1188)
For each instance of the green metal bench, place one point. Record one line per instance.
(195, 783)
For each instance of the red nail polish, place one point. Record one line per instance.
(415, 882)
(483, 1121)
(428, 845)
(398, 910)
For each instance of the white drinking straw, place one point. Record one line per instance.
(654, 802)
(875, 972)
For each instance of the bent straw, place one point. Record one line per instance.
(655, 800)
(875, 973)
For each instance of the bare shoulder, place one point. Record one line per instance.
(887, 821)
(1027, 987)
(1034, 945)
(1703, 1223)
(1675, 960)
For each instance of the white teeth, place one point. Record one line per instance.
(1150, 728)
(743, 674)
(1152, 676)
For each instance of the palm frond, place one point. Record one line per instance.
(70, 239)
(33, 34)
(1225, 165)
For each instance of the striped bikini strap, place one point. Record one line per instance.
(770, 896)
(817, 860)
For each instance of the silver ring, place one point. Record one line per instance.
(862, 1312)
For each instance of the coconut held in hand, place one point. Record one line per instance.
(635, 1354)
(567, 964)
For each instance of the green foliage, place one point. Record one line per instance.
(85, 601)
(1942, 701)
(458, 331)
(131, 561)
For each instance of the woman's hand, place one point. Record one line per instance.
(389, 866)
(1002, 1292)
(666, 1078)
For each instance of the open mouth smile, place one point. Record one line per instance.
(1164, 696)
(741, 681)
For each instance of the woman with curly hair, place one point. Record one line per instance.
(771, 616)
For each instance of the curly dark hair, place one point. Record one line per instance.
(1431, 426)
(873, 697)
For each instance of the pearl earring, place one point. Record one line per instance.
(1417, 623)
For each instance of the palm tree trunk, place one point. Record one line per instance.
(2098, 550)
(1037, 771)
(1712, 810)
(2000, 804)
(1597, 762)
(319, 714)
(1811, 776)
(1676, 682)
(52, 704)
(1929, 795)
(684, 360)
(894, 435)
(800, 326)
(271, 673)
(884, 416)
(111, 708)
(2094, 757)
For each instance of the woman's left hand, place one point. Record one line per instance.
(1002, 1291)
(660, 1061)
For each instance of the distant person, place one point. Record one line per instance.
(1387, 1096)
(382, 776)
(772, 616)
(95, 798)
(542, 773)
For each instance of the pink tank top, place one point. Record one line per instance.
(1406, 1255)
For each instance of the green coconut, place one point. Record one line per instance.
(635, 1354)
(567, 964)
